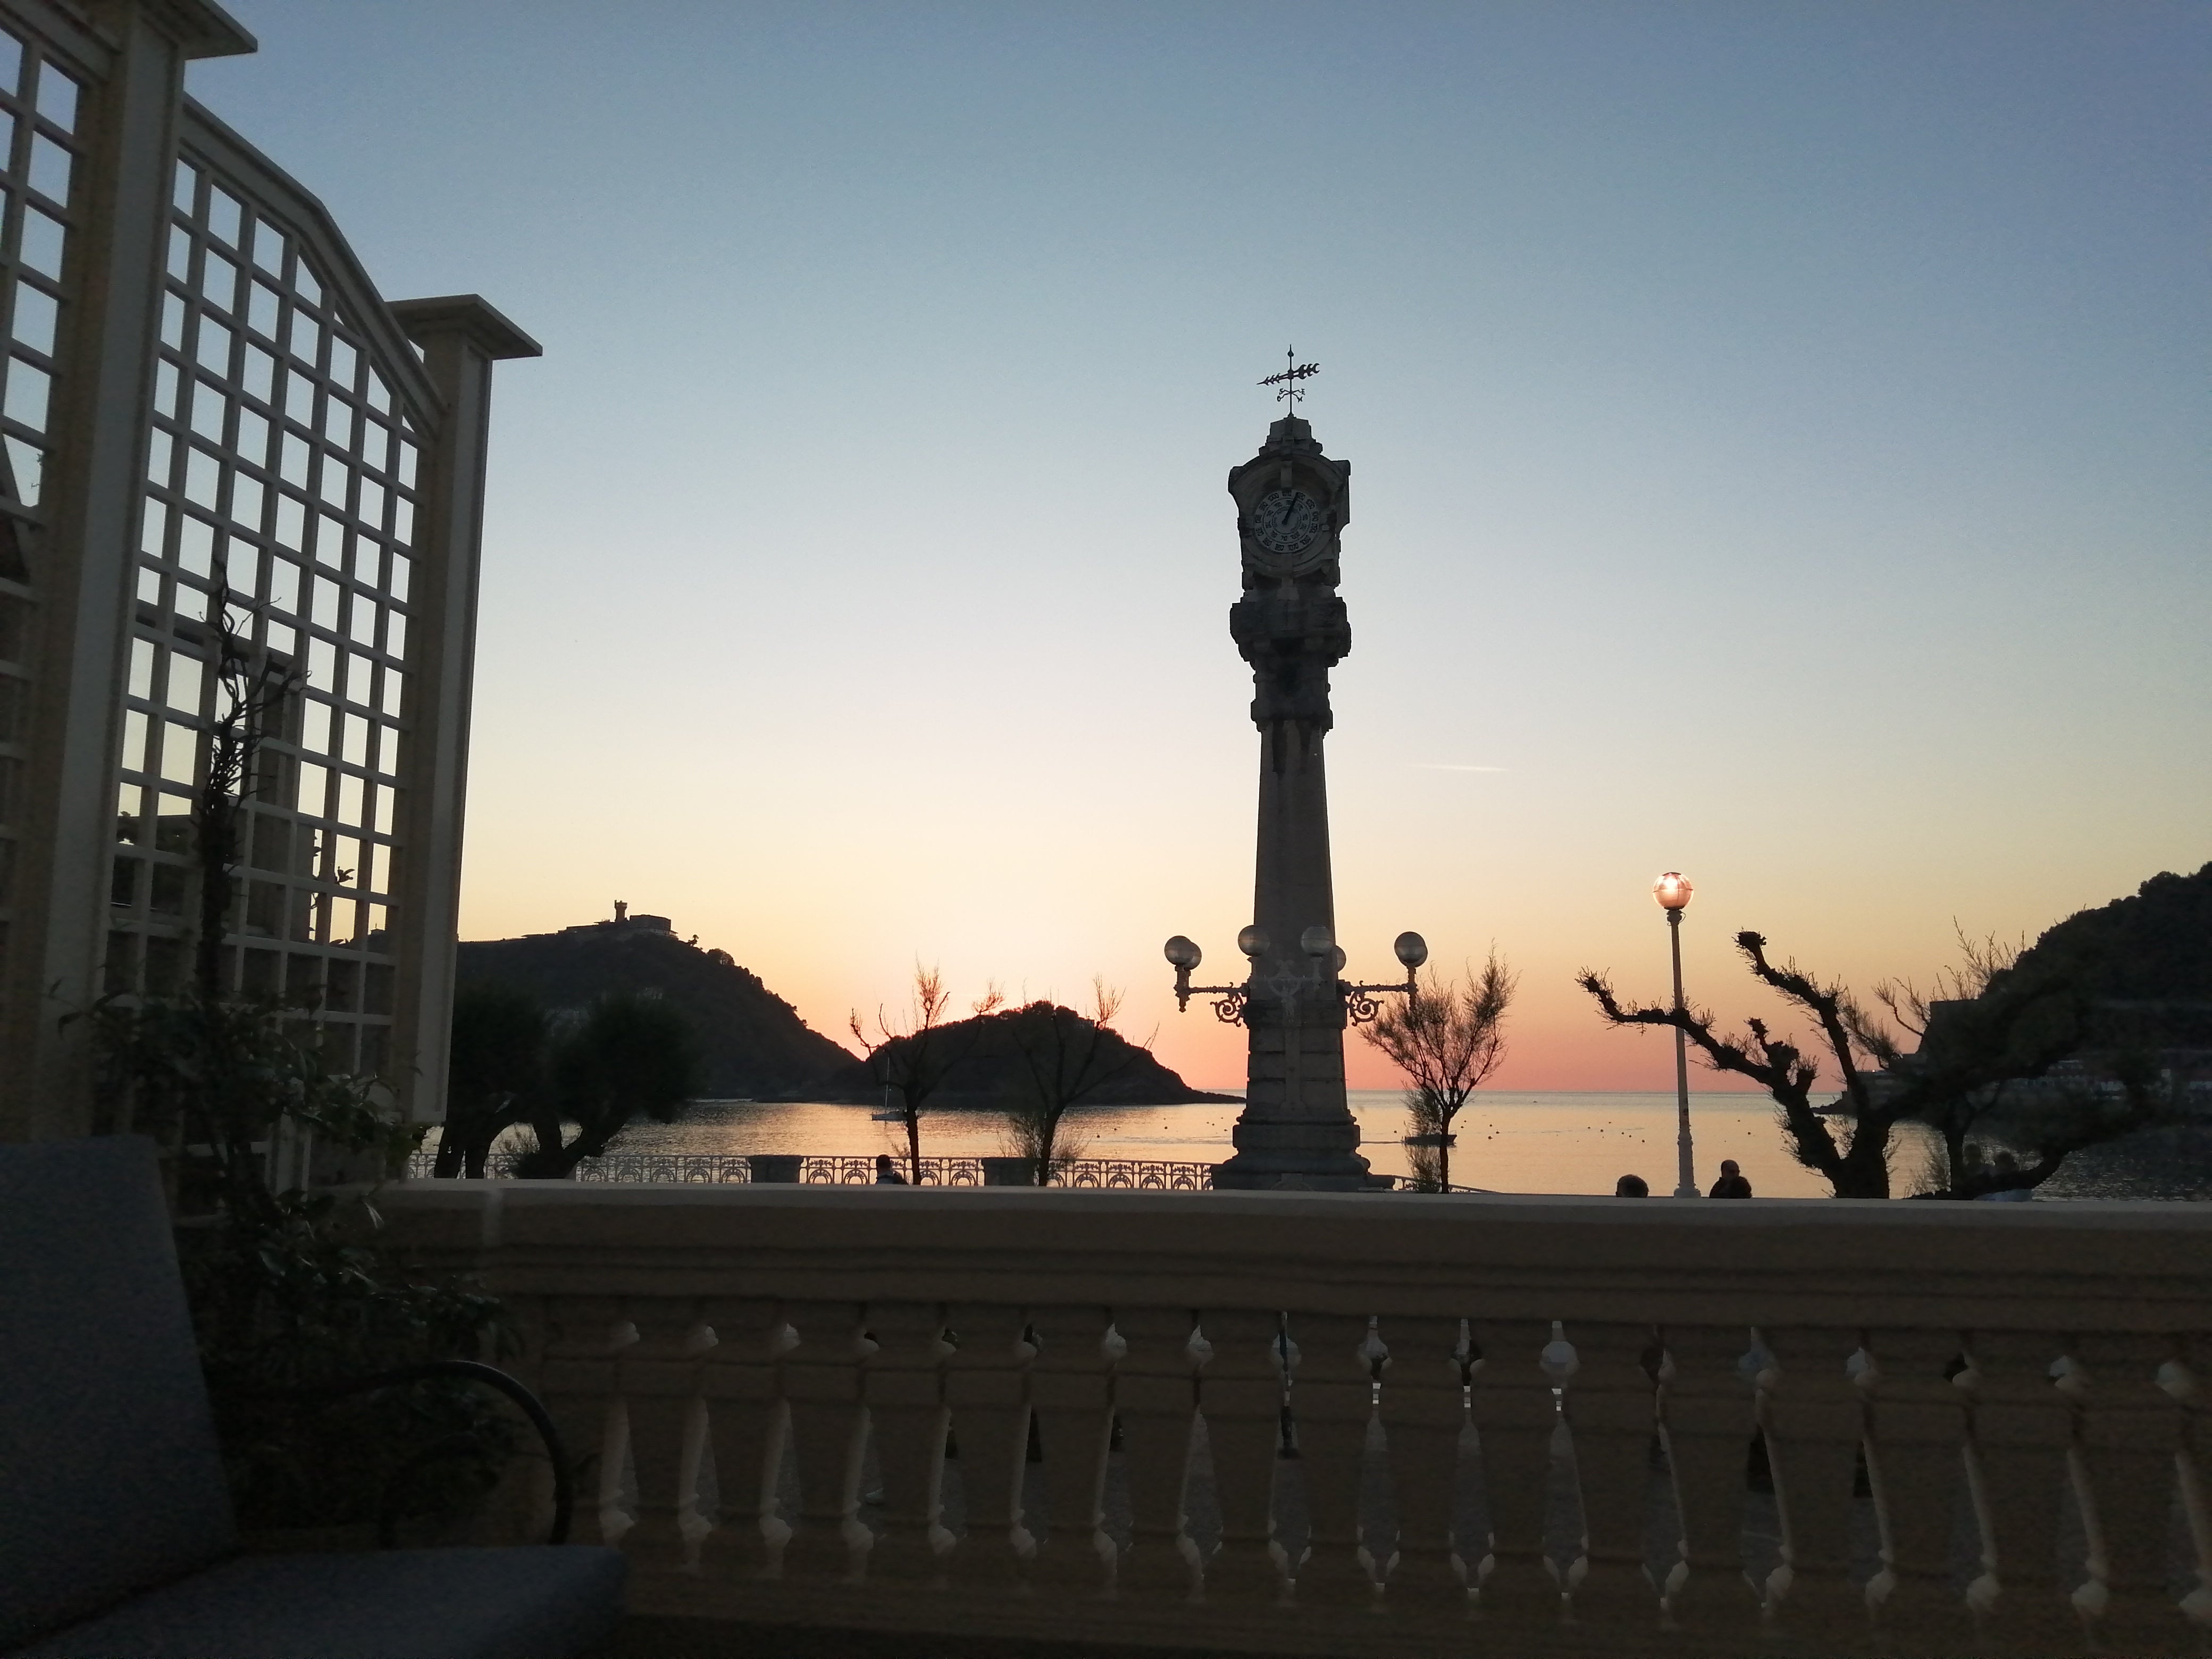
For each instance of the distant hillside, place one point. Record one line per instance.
(2145, 964)
(993, 1076)
(2154, 947)
(753, 1041)
(2148, 960)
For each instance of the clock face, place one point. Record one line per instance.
(1285, 520)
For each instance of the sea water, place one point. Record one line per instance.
(1527, 1142)
(1519, 1143)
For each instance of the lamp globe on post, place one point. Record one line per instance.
(1412, 950)
(1673, 891)
(1319, 942)
(1184, 955)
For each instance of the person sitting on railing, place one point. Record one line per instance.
(1732, 1183)
(886, 1175)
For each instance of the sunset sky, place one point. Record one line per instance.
(1779, 451)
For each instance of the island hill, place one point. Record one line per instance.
(753, 1042)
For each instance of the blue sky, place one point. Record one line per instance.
(1778, 431)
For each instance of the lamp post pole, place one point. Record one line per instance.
(1673, 892)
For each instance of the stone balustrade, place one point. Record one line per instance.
(1322, 1423)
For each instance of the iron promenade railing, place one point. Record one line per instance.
(712, 1168)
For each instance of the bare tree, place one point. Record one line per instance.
(1066, 1058)
(1447, 1041)
(916, 1057)
(2020, 1027)
(1986, 1041)
(1859, 1170)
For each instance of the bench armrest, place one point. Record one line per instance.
(564, 1480)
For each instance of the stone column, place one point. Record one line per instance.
(1296, 1128)
(461, 337)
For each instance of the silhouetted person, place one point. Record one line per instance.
(885, 1175)
(1732, 1183)
(1631, 1186)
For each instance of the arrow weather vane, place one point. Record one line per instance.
(1287, 382)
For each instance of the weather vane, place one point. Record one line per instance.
(1287, 382)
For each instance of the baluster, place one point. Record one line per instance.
(741, 1383)
(2184, 1385)
(1515, 1417)
(1915, 1461)
(1424, 1414)
(1156, 1399)
(1071, 1392)
(2021, 1430)
(1243, 1410)
(1613, 1410)
(576, 1382)
(986, 1390)
(822, 1375)
(2129, 1443)
(1707, 1422)
(1332, 1402)
(904, 1388)
(1814, 1421)
(658, 1379)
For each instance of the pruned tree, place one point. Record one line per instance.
(630, 1056)
(1066, 1058)
(914, 1057)
(496, 1068)
(2025, 1028)
(1447, 1041)
(1858, 1169)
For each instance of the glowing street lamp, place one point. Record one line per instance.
(1673, 891)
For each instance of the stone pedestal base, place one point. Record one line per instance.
(1295, 1130)
(1303, 1155)
(1241, 1174)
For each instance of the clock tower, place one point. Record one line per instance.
(1292, 503)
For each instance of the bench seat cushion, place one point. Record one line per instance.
(535, 1602)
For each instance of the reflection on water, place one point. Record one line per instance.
(2164, 1163)
(1521, 1143)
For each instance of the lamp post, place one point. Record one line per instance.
(1673, 892)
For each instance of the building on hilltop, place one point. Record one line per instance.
(625, 923)
(205, 396)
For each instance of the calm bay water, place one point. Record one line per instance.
(1509, 1143)
(1520, 1143)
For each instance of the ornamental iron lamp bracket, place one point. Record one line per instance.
(1359, 1001)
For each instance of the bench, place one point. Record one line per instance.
(117, 1537)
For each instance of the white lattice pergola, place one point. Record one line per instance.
(207, 402)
